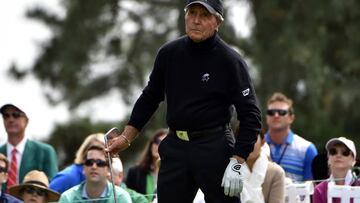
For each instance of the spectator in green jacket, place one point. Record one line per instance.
(24, 154)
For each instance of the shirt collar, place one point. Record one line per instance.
(203, 45)
(289, 138)
(84, 194)
(348, 178)
(19, 148)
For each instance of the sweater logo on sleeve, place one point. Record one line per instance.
(246, 92)
(205, 77)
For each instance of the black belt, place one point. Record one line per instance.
(191, 135)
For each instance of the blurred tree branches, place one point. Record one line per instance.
(307, 49)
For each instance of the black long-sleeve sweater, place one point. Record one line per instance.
(200, 82)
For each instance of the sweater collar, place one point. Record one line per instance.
(203, 45)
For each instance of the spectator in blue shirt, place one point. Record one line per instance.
(291, 151)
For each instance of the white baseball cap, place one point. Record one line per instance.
(343, 140)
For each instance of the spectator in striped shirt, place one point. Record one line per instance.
(291, 151)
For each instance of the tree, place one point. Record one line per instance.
(308, 50)
(102, 46)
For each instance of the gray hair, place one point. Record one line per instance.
(117, 166)
(218, 16)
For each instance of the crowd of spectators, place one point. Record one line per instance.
(29, 169)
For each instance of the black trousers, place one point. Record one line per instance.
(187, 166)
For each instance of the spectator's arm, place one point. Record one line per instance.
(311, 152)
(60, 183)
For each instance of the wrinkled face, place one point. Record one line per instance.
(340, 158)
(117, 177)
(95, 170)
(276, 119)
(200, 24)
(15, 121)
(34, 195)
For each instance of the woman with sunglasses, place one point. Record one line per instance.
(341, 159)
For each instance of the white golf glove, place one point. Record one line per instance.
(233, 179)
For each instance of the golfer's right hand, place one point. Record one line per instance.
(116, 145)
(118, 142)
(233, 180)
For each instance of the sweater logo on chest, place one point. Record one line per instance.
(246, 92)
(205, 77)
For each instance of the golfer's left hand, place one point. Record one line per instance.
(233, 180)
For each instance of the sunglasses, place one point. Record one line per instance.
(3, 170)
(33, 190)
(280, 112)
(334, 151)
(15, 115)
(98, 162)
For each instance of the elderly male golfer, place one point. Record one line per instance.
(202, 79)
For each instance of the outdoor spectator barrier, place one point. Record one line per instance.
(299, 192)
(344, 192)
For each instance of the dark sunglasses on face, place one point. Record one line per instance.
(280, 112)
(334, 151)
(99, 162)
(3, 170)
(33, 190)
(15, 114)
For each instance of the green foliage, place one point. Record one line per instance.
(101, 45)
(308, 50)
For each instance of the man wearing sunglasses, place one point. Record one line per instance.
(96, 185)
(24, 154)
(289, 150)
